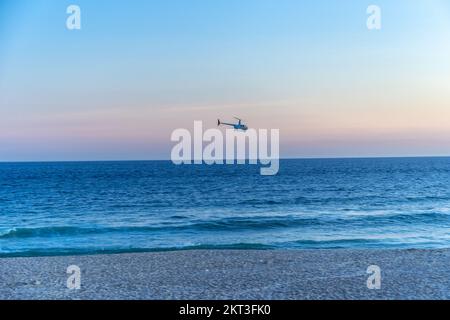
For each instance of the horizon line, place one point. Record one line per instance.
(284, 158)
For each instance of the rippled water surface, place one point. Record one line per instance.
(92, 207)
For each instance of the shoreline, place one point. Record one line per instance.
(231, 274)
(206, 248)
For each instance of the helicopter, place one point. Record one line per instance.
(238, 126)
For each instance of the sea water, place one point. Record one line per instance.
(111, 207)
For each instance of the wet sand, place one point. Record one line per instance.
(224, 274)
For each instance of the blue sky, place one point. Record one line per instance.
(137, 70)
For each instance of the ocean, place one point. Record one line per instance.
(112, 207)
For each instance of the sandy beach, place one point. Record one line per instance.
(214, 274)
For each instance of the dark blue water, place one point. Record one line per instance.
(74, 208)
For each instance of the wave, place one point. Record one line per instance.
(252, 223)
(97, 251)
(44, 231)
(320, 200)
(237, 224)
(405, 218)
(350, 243)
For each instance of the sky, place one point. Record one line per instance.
(137, 70)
